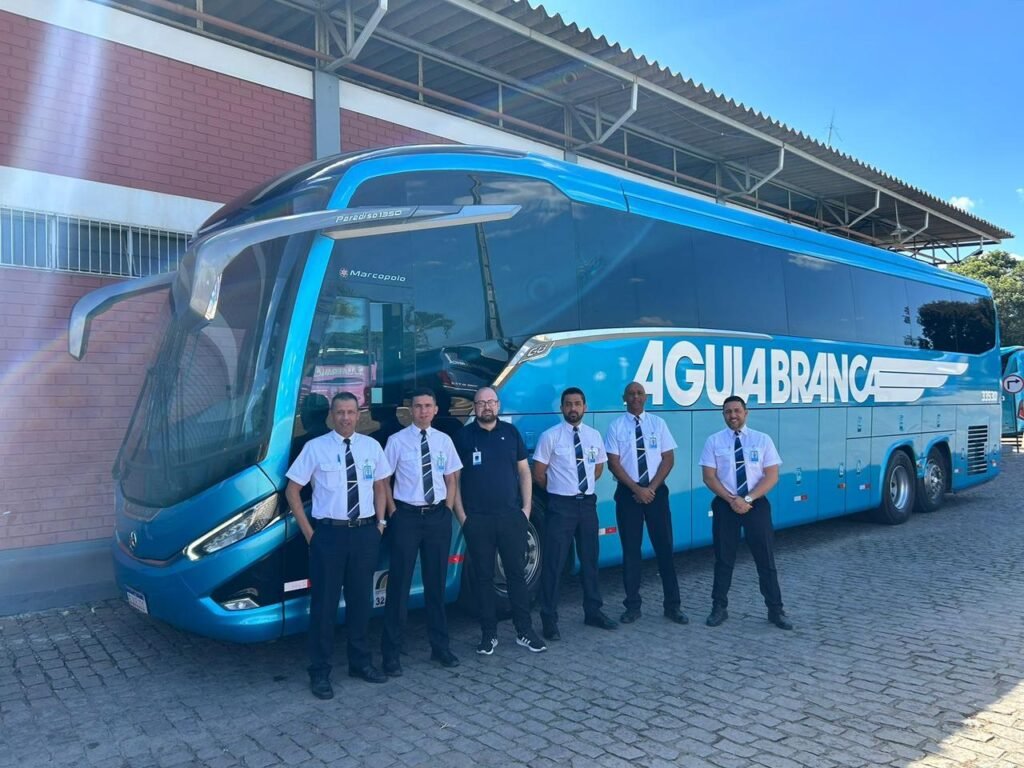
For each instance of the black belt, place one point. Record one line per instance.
(577, 497)
(423, 510)
(372, 520)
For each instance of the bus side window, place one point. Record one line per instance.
(872, 293)
(819, 297)
(633, 271)
(739, 284)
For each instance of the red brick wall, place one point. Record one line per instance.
(360, 131)
(61, 421)
(78, 106)
(75, 105)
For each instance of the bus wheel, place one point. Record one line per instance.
(898, 486)
(932, 487)
(534, 560)
(468, 601)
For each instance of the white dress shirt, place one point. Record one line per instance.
(557, 449)
(758, 453)
(620, 439)
(322, 460)
(403, 453)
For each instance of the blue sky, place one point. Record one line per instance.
(931, 93)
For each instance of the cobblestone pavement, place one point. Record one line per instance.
(907, 652)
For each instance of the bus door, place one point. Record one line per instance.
(358, 345)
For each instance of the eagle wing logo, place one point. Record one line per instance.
(896, 380)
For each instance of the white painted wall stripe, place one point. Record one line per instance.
(50, 193)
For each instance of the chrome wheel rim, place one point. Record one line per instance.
(899, 487)
(934, 480)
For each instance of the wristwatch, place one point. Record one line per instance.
(748, 499)
(383, 522)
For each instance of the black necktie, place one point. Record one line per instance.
(641, 455)
(353, 482)
(428, 474)
(581, 469)
(741, 470)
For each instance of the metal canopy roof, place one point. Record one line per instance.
(506, 64)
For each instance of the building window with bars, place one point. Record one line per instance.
(50, 241)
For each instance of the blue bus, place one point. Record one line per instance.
(449, 267)
(1013, 402)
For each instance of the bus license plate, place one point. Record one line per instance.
(136, 600)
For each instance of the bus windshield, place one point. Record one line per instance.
(206, 407)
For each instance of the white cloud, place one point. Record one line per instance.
(964, 202)
(1020, 193)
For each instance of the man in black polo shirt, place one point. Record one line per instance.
(492, 503)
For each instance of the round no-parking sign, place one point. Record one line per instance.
(1013, 383)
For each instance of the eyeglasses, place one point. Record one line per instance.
(488, 403)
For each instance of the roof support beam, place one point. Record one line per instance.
(618, 123)
(749, 190)
(351, 47)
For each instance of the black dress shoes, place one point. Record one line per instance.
(446, 659)
(550, 632)
(717, 616)
(392, 668)
(369, 673)
(628, 617)
(677, 616)
(780, 620)
(321, 687)
(600, 621)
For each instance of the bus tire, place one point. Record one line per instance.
(933, 486)
(468, 601)
(899, 484)
(534, 561)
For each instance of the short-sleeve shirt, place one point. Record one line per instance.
(620, 439)
(404, 454)
(489, 481)
(556, 448)
(322, 460)
(758, 453)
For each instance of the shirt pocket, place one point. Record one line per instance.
(329, 476)
(725, 459)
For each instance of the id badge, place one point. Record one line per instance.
(441, 461)
(754, 456)
(368, 470)
(591, 455)
(478, 458)
(652, 441)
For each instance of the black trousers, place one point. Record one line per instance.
(341, 557)
(630, 515)
(567, 518)
(725, 531)
(429, 535)
(503, 533)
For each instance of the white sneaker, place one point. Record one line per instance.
(531, 642)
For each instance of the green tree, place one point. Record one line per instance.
(1005, 276)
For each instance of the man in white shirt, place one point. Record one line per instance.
(567, 462)
(420, 516)
(641, 453)
(740, 466)
(349, 474)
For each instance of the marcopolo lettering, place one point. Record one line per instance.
(775, 376)
(382, 276)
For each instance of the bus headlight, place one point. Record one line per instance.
(241, 526)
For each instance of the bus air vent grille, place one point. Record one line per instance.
(977, 439)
